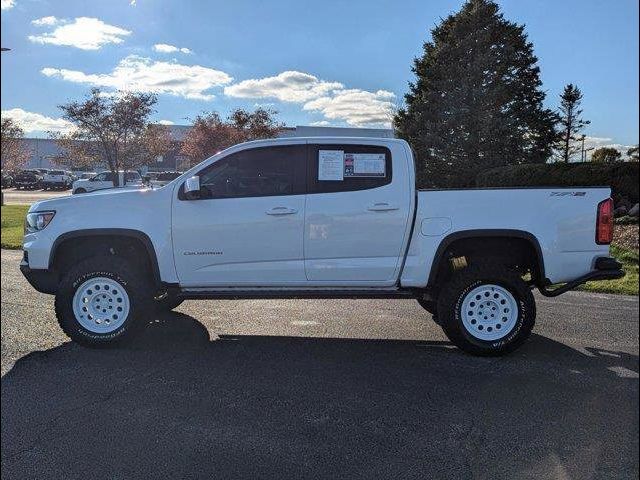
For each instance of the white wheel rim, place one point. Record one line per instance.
(489, 312)
(101, 305)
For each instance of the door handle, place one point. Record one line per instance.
(381, 207)
(281, 211)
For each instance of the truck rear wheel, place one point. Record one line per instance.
(101, 300)
(487, 310)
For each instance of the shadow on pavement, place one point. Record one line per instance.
(174, 403)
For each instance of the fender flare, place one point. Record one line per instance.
(484, 233)
(103, 232)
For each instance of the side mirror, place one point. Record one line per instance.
(192, 188)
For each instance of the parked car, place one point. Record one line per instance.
(28, 179)
(323, 217)
(7, 180)
(163, 178)
(85, 175)
(104, 180)
(57, 179)
(148, 177)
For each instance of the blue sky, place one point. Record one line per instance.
(330, 62)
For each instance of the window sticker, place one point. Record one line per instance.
(364, 165)
(330, 165)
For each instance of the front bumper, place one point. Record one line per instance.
(44, 281)
(606, 268)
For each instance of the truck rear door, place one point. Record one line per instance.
(357, 213)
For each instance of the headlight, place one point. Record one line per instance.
(37, 221)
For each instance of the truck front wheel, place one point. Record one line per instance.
(101, 300)
(487, 310)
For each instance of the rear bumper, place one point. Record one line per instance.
(606, 268)
(44, 281)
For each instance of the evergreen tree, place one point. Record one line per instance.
(570, 122)
(477, 101)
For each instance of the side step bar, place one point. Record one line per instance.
(238, 294)
(607, 268)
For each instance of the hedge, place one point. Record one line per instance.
(622, 177)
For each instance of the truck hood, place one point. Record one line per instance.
(119, 197)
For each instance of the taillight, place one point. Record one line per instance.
(604, 222)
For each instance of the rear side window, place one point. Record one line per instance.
(346, 168)
(132, 176)
(257, 172)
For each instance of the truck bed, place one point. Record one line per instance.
(561, 220)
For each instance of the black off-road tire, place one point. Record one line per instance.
(116, 269)
(453, 293)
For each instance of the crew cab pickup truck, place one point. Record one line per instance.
(28, 179)
(57, 179)
(323, 217)
(105, 180)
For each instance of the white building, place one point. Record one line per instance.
(44, 149)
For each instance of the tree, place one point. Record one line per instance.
(570, 122)
(477, 101)
(114, 130)
(210, 134)
(633, 155)
(14, 152)
(606, 155)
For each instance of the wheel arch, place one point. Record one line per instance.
(485, 234)
(105, 233)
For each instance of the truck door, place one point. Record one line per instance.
(247, 227)
(357, 213)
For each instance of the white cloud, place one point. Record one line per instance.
(83, 32)
(36, 122)
(356, 107)
(165, 122)
(321, 123)
(7, 4)
(290, 86)
(45, 21)
(165, 48)
(353, 106)
(136, 73)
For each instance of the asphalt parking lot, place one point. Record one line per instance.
(318, 389)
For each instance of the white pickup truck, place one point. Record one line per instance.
(317, 218)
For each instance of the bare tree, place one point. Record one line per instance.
(114, 130)
(15, 153)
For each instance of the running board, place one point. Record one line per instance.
(264, 293)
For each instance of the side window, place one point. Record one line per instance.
(132, 176)
(101, 177)
(347, 168)
(258, 172)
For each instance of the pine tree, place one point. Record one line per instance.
(570, 122)
(477, 101)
